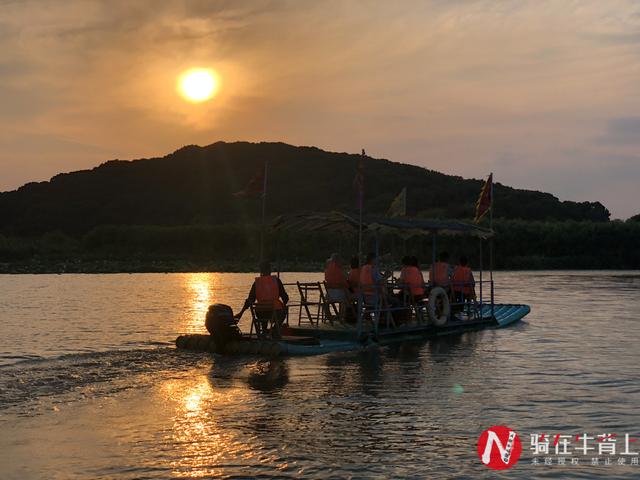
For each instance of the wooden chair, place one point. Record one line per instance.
(417, 307)
(311, 296)
(339, 307)
(467, 303)
(377, 310)
(367, 312)
(264, 318)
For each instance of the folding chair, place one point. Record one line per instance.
(385, 308)
(264, 318)
(308, 291)
(343, 305)
(374, 307)
(416, 307)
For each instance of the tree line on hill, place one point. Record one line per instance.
(165, 213)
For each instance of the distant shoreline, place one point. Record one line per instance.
(136, 266)
(164, 266)
(518, 245)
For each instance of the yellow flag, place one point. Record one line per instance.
(485, 200)
(398, 207)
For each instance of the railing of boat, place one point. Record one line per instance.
(314, 307)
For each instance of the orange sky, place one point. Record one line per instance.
(544, 93)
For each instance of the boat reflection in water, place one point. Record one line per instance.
(269, 375)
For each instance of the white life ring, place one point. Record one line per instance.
(439, 308)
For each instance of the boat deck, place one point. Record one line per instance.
(326, 338)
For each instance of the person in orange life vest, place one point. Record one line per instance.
(354, 276)
(267, 290)
(335, 279)
(462, 282)
(411, 277)
(440, 272)
(371, 278)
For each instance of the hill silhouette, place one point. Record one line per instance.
(194, 186)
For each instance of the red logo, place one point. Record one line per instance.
(499, 447)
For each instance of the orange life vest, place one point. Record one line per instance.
(354, 279)
(439, 274)
(366, 279)
(462, 280)
(412, 277)
(334, 276)
(267, 292)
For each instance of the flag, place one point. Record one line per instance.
(398, 207)
(358, 181)
(255, 186)
(485, 200)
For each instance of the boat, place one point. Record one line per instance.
(323, 328)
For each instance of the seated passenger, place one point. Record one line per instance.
(335, 279)
(267, 292)
(371, 279)
(440, 272)
(411, 277)
(462, 282)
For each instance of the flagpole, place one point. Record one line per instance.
(360, 175)
(491, 243)
(264, 209)
(360, 204)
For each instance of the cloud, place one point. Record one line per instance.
(621, 135)
(625, 128)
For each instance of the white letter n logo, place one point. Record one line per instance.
(505, 451)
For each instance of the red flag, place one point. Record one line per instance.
(254, 188)
(358, 181)
(485, 201)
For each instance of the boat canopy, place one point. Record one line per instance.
(404, 227)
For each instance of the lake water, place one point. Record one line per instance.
(91, 386)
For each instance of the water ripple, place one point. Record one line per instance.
(94, 388)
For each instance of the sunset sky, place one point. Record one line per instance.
(546, 94)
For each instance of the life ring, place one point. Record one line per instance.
(439, 307)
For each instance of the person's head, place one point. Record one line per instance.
(444, 256)
(414, 261)
(464, 261)
(406, 260)
(335, 257)
(355, 262)
(371, 257)
(265, 268)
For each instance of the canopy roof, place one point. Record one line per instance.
(405, 227)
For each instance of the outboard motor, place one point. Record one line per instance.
(221, 324)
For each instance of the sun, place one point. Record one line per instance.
(198, 84)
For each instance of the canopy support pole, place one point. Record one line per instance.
(360, 236)
(481, 268)
(433, 248)
(264, 210)
(277, 240)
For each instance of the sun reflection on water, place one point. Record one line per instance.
(200, 289)
(203, 442)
